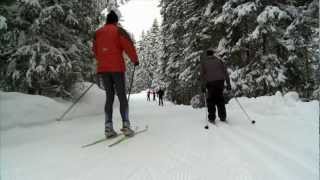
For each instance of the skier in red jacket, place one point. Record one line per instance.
(109, 43)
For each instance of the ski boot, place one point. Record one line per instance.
(110, 133)
(126, 130)
(212, 121)
(223, 119)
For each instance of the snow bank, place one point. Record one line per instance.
(92, 103)
(17, 109)
(278, 105)
(20, 110)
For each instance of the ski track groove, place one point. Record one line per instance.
(211, 159)
(281, 142)
(277, 148)
(143, 173)
(182, 159)
(266, 153)
(231, 157)
(245, 149)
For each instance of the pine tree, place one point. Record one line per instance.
(172, 32)
(267, 45)
(46, 46)
(149, 50)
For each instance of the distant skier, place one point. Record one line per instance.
(154, 95)
(160, 96)
(109, 43)
(148, 95)
(213, 75)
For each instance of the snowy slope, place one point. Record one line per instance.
(283, 145)
(18, 109)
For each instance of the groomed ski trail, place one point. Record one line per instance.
(175, 147)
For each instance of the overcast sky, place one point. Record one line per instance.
(138, 15)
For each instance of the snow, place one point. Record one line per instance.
(19, 110)
(3, 24)
(34, 3)
(208, 9)
(282, 145)
(71, 19)
(189, 21)
(220, 19)
(245, 9)
(55, 9)
(221, 49)
(272, 13)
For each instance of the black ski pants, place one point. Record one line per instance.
(114, 82)
(215, 99)
(160, 100)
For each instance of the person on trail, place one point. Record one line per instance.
(160, 96)
(213, 75)
(154, 95)
(109, 43)
(148, 95)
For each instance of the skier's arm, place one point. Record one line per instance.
(128, 45)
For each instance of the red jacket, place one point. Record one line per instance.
(108, 46)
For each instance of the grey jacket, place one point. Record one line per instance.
(213, 69)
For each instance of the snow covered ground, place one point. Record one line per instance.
(282, 145)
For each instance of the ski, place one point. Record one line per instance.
(124, 138)
(100, 141)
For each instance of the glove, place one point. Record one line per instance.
(136, 63)
(229, 87)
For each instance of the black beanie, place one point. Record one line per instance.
(112, 18)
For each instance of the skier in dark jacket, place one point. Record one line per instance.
(148, 95)
(154, 95)
(160, 96)
(213, 75)
(109, 43)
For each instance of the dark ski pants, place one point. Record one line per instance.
(115, 82)
(160, 101)
(216, 99)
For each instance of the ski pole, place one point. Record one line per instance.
(134, 69)
(245, 112)
(205, 104)
(67, 111)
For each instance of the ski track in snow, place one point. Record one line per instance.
(175, 147)
(269, 154)
(278, 149)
